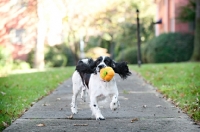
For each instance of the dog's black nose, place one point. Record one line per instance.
(101, 66)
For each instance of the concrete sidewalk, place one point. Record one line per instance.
(142, 110)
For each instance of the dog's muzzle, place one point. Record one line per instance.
(99, 67)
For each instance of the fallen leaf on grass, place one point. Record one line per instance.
(3, 93)
(135, 119)
(182, 95)
(41, 125)
(5, 124)
(32, 103)
(80, 124)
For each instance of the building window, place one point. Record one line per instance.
(16, 36)
(19, 3)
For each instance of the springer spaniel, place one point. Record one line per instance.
(86, 79)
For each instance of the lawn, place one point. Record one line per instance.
(179, 82)
(18, 92)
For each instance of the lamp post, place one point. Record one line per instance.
(139, 41)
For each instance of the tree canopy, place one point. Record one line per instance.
(110, 24)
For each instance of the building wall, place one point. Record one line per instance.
(168, 11)
(18, 26)
(25, 23)
(181, 26)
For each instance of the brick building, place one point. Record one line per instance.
(18, 26)
(167, 12)
(25, 23)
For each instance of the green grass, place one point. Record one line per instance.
(19, 91)
(177, 81)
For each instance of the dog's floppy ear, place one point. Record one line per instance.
(122, 69)
(85, 67)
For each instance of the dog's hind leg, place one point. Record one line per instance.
(77, 84)
(83, 94)
(74, 100)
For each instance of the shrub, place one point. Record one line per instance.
(20, 65)
(55, 56)
(30, 58)
(7, 64)
(129, 55)
(58, 56)
(5, 61)
(170, 47)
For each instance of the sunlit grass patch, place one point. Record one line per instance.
(19, 91)
(177, 81)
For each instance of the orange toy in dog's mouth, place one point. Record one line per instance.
(107, 73)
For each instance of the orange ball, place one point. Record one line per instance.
(107, 73)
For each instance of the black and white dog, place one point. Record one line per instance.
(86, 78)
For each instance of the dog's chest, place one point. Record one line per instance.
(99, 87)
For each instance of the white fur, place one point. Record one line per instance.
(97, 89)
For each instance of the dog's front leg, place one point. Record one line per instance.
(114, 103)
(95, 108)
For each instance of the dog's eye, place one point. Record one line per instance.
(107, 62)
(98, 62)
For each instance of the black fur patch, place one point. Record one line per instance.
(82, 67)
(85, 78)
(122, 69)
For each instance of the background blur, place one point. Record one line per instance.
(55, 33)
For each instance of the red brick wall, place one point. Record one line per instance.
(180, 26)
(18, 26)
(168, 11)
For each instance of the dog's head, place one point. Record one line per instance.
(104, 61)
(101, 62)
(89, 66)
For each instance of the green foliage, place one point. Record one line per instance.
(187, 12)
(170, 47)
(5, 61)
(7, 64)
(20, 65)
(117, 25)
(30, 58)
(55, 56)
(129, 55)
(196, 52)
(58, 56)
(19, 91)
(177, 81)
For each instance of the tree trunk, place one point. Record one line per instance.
(41, 32)
(196, 51)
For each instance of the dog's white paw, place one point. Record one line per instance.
(100, 118)
(74, 109)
